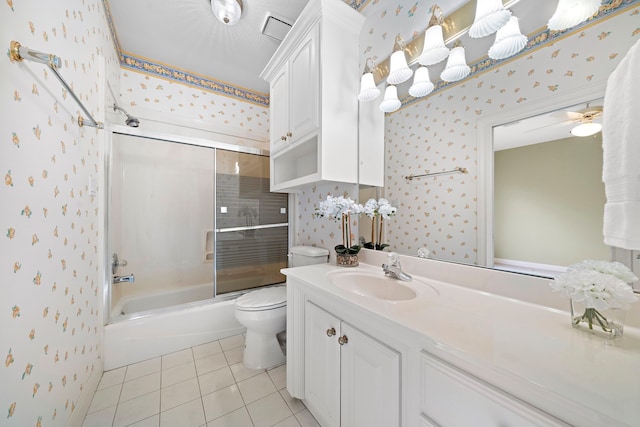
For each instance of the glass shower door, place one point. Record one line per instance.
(251, 224)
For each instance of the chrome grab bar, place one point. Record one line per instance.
(251, 227)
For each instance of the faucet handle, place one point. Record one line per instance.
(393, 260)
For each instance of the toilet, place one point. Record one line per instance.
(263, 312)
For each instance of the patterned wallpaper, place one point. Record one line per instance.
(438, 133)
(50, 288)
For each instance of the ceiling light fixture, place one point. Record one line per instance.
(587, 128)
(509, 40)
(490, 17)
(399, 70)
(457, 68)
(572, 12)
(368, 89)
(227, 11)
(434, 49)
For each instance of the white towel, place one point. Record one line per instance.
(621, 153)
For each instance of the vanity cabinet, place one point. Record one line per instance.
(314, 82)
(350, 378)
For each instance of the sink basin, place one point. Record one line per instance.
(373, 285)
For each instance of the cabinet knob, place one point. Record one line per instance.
(331, 332)
(283, 138)
(343, 340)
(289, 134)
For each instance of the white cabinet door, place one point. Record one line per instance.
(279, 110)
(322, 365)
(303, 86)
(370, 381)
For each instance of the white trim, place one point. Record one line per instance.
(526, 267)
(484, 135)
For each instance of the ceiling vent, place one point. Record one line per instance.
(276, 27)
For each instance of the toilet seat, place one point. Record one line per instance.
(263, 299)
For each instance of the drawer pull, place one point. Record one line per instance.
(331, 332)
(343, 340)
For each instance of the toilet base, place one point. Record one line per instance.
(262, 351)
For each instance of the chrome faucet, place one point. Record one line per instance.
(120, 279)
(393, 268)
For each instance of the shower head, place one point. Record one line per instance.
(131, 121)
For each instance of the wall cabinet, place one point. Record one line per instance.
(314, 82)
(350, 378)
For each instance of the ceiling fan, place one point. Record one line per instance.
(584, 119)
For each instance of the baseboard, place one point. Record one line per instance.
(84, 402)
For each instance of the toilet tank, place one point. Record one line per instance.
(307, 255)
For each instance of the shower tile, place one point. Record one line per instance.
(112, 377)
(178, 374)
(141, 369)
(178, 394)
(101, 418)
(279, 376)
(241, 372)
(237, 418)
(306, 419)
(294, 404)
(256, 388)
(292, 421)
(178, 358)
(190, 414)
(139, 386)
(215, 380)
(137, 409)
(269, 410)
(211, 363)
(232, 342)
(207, 349)
(234, 355)
(222, 402)
(105, 398)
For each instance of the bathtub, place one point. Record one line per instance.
(140, 303)
(136, 337)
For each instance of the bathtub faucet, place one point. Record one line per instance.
(120, 279)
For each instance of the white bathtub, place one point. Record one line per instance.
(139, 303)
(153, 334)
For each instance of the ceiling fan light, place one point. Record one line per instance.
(368, 89)
(390, 103)
(422, 85)
(586, 129)
(457, 68)
(227, 11)
(509, 40)
(490, 17)
(572, 12)
(434, 49)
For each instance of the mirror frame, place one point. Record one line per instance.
(484, 140)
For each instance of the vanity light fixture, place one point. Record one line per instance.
(227, 11)
(572, 12)
(399, 71)
(587, 128)
(422, 85)
(368, 89)
(457, 68)
(434, 50)
(509, 40)
(490, 17)
(390, 103)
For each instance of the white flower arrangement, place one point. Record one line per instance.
(599, 285)
(340, 208)
(377, 210)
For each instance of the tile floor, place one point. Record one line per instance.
(203, 386)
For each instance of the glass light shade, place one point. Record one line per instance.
(509, 40)
(457, 68)
(434, 49)
(390, 103)
(227, 11)
(572, 12)
(422, 85)
(586, 129)
(399, 70)
(490, 17)
(368, 89)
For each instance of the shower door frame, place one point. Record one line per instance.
(112, 130)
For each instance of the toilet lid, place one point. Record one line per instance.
(263, 299)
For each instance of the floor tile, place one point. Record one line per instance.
(269, 410)
(112, 377)
(256, 388)
(306, 419)
(210, 363)
(190, 414)
(207, 349)
(294, 404)
(101, 418)
(232, 342)
(215, 380)
(178, 394)
(137, 409)
(237, 418)
(178, 374)
(234, 355)
(241, 372)
(292, 421)
(178, 358)
(141, 369)
(105, 398)
(222, 402)
(279, 376)
(140, 386)
(153, 421)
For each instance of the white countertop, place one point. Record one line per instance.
(528, 350)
